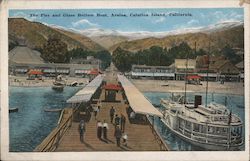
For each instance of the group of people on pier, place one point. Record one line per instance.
(102, 130)
(102, 127)
(119, 123)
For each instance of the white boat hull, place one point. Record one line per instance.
(207, 146)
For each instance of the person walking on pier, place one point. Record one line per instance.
(82, 130)
(96, 110)
(105, 129)
(117, 120)
(123, 121)
(99, 129)
(125, 139)
(118, 135)
(112, 114)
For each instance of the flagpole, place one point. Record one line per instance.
(229, 129)
(208, 61)
(186, 79)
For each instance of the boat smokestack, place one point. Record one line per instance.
(197, 100)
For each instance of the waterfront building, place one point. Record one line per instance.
(152, 72)
(88, 60)
(23, 59)
(240, 66)
(183, 66)
(219, 69)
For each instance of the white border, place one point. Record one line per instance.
(121, 156)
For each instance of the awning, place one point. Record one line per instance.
(85, 94)
(35, 72)
(21, 70)
(137, 101)
(49, 70)
(112, 87)
(193, 77)
(62, 71)
(81, 71)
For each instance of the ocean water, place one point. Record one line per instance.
(234, 102)
(31, 124)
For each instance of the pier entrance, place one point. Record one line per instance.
(111, 91)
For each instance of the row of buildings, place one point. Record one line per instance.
(23, 59)
(219, 69)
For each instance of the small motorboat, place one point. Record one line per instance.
(13, 110)
(73, 84)
(53, 110)
(58, 84)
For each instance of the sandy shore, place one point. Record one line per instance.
(143, 85)
(167, 86)
(46, 82)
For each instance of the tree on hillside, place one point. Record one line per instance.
(230, 54)
(105, 57)
(78, 53)
(54, 51)
(122, 59)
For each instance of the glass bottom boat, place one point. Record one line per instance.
(212, 127)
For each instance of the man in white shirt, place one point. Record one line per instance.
(99, 129)
(125, 139)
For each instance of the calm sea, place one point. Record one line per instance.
(31, 124)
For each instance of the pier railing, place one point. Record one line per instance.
(51, 142)
(159, 139)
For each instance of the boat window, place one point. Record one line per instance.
(225, 130)
(196, 127)
(203, 129)
(181, 123)
(210, 129)
(173, 111)
(188, 124)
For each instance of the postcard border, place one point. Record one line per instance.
(6, 155)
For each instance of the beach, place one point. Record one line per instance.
(18, 81)
(144, 85)
(236, 88)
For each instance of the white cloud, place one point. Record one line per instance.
(160, 20)
(220, 17)
(24, 15)
(192, 22)
(83, 23)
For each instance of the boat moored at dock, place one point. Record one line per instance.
(212, 127)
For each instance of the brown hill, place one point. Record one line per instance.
(108, 41)
(218, 39)
(35, 34)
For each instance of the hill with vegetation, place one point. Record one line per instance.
(233, 37)
(35, 35)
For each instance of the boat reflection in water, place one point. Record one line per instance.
(212, 127)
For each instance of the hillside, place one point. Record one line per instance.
(219, 38)
(35, 35)
(109, 41)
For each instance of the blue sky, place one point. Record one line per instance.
(200, 18)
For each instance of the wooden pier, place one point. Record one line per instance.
(141, 137)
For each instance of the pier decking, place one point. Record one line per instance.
(141, 136)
